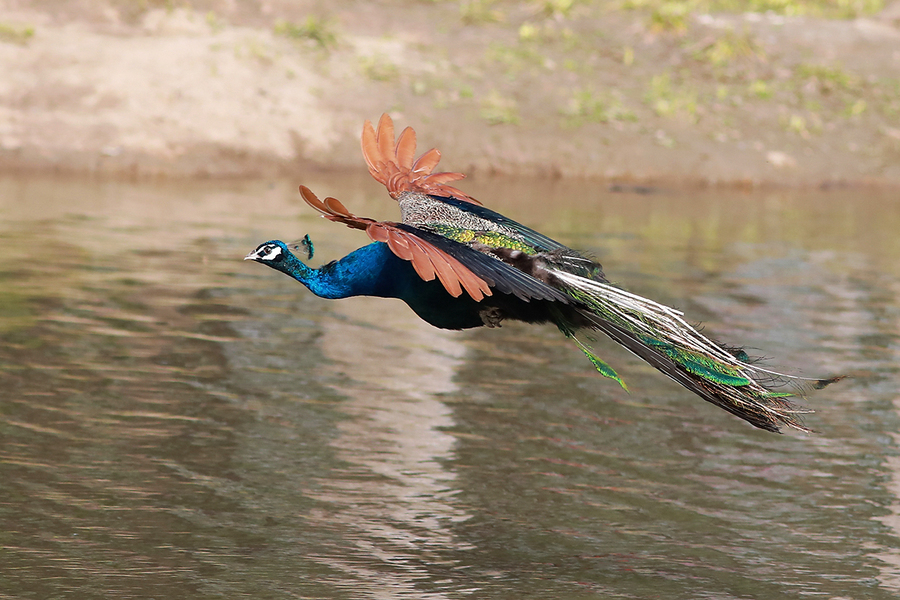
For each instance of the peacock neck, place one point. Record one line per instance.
(374, 270)
(357, 274)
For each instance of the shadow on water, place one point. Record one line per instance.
(175, 422)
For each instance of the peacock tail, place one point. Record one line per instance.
(659, 335)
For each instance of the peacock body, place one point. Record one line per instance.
(460, 265)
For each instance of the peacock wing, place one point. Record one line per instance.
(333, 210)
(391, 164)
(428, 260)
(501, 276)
(535, 239)
(457, 266)
(406, 148)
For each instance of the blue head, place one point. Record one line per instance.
(273, 254)
(334, 280)
(278, 255)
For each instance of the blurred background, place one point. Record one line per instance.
(178, 423)
(693, 91)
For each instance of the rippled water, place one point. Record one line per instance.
(175, 422)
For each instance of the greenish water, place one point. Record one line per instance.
(178, 423)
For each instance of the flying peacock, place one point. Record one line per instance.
(459, 265)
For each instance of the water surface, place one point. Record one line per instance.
(175, 422)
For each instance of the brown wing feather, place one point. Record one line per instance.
(427, 162)
(451, 280)
(421, 262)
(391, 164)
(438, 265)
(336, 207)
(310, 198)
(385, 137)
(441, 178)
(406, 148)
(474, 285)
(333, 210)
(426, 259)
(370, 150)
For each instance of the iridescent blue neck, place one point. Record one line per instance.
(374, 270)
(357, 274)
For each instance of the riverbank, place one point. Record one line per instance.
(557, 89)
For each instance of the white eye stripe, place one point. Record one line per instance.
(272, 254)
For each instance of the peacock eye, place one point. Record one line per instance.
(272, 252)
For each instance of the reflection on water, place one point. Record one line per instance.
(176, 422)
(401, 511)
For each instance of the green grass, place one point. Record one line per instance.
(480, 12)
(669, 99)
(673, 15)
(214, 22)
(829, 78)
(554, 8)
(315, 29)
(379, 68)
(497, 109)
(15, 35)
(760, 89)
(514, 58)
(730, 47)
(586, 106)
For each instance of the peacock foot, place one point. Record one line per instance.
(491, 316)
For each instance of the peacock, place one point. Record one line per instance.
(459, 265)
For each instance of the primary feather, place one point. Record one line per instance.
(458, 264)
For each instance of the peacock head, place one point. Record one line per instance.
(270, 253)
(274, 252)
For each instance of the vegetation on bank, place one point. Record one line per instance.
(778, 81)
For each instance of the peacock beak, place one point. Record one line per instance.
(252, 256)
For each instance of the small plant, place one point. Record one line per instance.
(760, 89)
(856, 108)
(378, 68)
(670, 16)
(730, 47)
(498, 110)
(827, 78)
(479, 12)
(515, 58)
(797, 124)
(586, 106)
(254, 48)
(214, 22)
(668, 100)
(528, 32)
(555, 8)
(15, 35)
(314, 29)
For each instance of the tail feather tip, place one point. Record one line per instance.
(821, 383)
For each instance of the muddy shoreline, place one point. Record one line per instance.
(278, 89)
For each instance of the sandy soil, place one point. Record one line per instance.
(244, 88)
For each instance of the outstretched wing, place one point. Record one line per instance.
(392, 163)
(456, 265)
(535, 239)
(428, 260)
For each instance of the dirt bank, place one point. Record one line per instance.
(558, 88)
